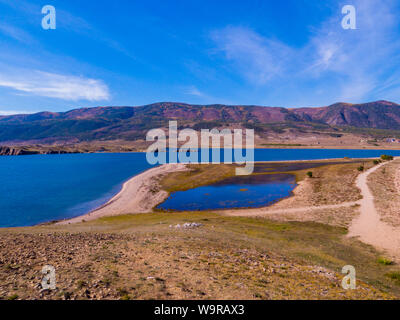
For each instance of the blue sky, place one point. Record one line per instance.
(289, 53)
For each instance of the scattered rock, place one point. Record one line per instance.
(187, 225)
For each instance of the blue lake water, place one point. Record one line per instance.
(41, 188)
(237, 192)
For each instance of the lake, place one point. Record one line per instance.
(236, 192)
(41, 188)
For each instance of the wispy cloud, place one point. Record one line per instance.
(54, 85)
(354, 64)
(15, 33)
(65, 20)
(362, 58)
(193, 91)
(258, 58)
(7, 112)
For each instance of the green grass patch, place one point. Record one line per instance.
(385, 261)
(394, 276)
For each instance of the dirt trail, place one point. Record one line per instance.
(266, 211)
(368, 225)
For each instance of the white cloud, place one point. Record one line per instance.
(65, 20)
(13, 112)
(15, 33)
(350, 64)
(360, 59)
(259, 59)
(193, 91)
(54, 85)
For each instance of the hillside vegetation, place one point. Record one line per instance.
(132, 123)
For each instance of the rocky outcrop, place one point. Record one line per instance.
(21, 151)
(15, 151)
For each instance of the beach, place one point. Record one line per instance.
(138, 195)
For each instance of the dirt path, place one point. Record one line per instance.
(258, 212)
(368, 226)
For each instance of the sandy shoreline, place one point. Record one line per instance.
(141, 194)
(138, 195)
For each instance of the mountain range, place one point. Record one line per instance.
(132, 123)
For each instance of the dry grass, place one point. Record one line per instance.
(340, 217)
(385, 186)
(332, 184)
(199, 175)
(142, 257)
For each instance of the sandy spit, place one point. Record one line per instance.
(138, 195)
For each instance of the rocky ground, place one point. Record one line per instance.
(205, 255)
(163, 262)
(385, 186)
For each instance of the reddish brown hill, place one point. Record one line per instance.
(379, 114)
(131, 123)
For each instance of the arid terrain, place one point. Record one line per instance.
(142, 257)
(385, 186)
(294, 249)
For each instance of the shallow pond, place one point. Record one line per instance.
(236, 192)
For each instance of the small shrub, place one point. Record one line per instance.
(384, 261)
(123, 293)
(376, 162)
(394, 275)
(67, 295)
(309, 174)
(386, 157)
(360, 168)
(107, 282)
(81, 284)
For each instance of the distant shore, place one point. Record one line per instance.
(51, 150)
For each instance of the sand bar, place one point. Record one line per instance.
(138, 195)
